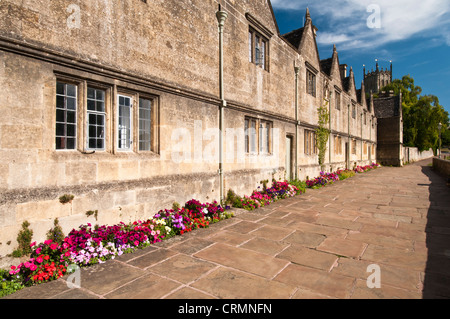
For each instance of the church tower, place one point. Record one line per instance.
(374, 81)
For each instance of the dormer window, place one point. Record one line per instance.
(257, 49)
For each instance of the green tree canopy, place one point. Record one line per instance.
(421, 115)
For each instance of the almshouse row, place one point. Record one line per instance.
(98, 97)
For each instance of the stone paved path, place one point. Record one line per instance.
(317, 245)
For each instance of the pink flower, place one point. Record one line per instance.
(136, 243)
(33, 267)
(54, 246)
(48, 242)
(39, 259)
(32, 244)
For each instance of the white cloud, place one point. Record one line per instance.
(346, 20)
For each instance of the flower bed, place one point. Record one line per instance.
(329, 178)
(263, 197)
(91, 245)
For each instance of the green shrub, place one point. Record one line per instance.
(8, 284)
(346, 174)
(66, 198)
(24, 239)
(56, 234)
(301, 185)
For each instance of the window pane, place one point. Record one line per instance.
(71, 117)
(246, 133)
(71, 130)
(90, 105)
(60, 87)
(60, 115)
(71, 103)
(253, 136)
(60, 102)
(60, 129)
(71, 90)
(145, 124)
(91, 93)
(263, 54)
(124, 127)
(250, 47)
(100, 106)
(66, 117)
(71, 143)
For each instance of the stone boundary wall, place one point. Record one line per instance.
(442, 166)
(412, 154)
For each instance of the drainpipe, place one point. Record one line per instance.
(362, 143)
(221, 17)
(347, 164)
(296, 69)
(329, 128)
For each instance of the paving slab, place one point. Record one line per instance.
(243, 259)
(226, 283)
(343, 247)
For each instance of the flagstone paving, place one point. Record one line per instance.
(316, 246)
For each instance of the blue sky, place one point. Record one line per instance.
(414, 34)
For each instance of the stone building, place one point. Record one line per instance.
(388, 110)
(119, 103)
(374, 81)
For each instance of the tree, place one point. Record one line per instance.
(323, 133)
(421, 114)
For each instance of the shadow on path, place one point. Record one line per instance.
(437, 272)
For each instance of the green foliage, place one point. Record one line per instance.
(56, 233)
(8, 284)
(92, 212)
(322, 133)
(346, 174)
(233, 199)
(176, 206)
(301, 185)
(24, 239)
(66, 198)
(421, 115)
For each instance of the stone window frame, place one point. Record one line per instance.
(257, 29)
(255, 137)
(258, 49)
(337, 100)
(113, 88)
(310, 145)
(337, 145)
(354, 146)
(97, 113)
(154, 123)
(76, 84)
(311, 82)
(265, 137)
(135, 121)
(129, 136)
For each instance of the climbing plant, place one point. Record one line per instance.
(322, 133)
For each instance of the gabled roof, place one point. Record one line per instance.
(294, 37)
(325, 66)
